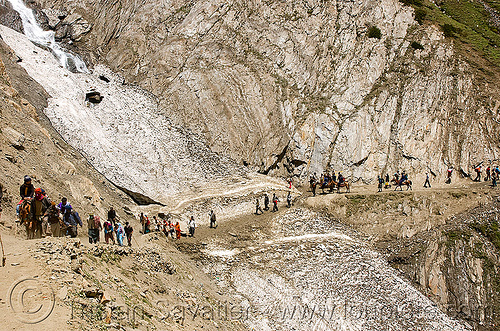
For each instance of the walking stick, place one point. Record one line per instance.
(3, 252)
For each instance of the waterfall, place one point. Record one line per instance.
(46, 38)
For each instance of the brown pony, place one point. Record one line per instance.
(25, 217)
(346, 185)
(408, 184)
(331, 185)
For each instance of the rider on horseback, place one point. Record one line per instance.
(404, 177)
(341, 178)
(26, 191)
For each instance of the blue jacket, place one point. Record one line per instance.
(72, 219)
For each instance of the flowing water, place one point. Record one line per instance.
(46, 38)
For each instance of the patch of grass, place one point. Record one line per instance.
(111, 257)
(458, 195)
(416, 45)
(374, 32)
(455, 235)
(420, 15)
(356, 198)
(449, 30)
(478, 251)
(465, 21)
(489, 230)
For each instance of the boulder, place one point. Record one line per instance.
(15, 138)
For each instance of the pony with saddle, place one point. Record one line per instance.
(25, 217)
(33, 228)
(344, 184)
(400, 184)
(329, 185)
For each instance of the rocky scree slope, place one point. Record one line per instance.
(294, 87)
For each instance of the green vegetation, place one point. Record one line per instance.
(416, 45)
(455, 235)
(458, 195)
(489, 230)
(420, 15)
(356, 198)
(465, 21)
(374, 32)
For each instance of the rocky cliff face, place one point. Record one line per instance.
(456, 264)
(296, 87)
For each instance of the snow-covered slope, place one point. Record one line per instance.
(126, 137)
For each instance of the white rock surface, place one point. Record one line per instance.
(126, 137)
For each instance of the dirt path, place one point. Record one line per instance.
(17, 314)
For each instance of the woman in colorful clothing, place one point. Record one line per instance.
(108, 232)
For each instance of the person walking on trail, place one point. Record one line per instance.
(266, 202)
(39, 206)
(112, 215)
(275, 203)
(54, 220)
(427, 182)
(147, 225)
(71, 219)
(142, 219)
(494, 181)
(449, 173)
(156, 226)
(212, 219)
(63, 205)
(94, 226)
(380, 183)
(478, 173)
(289, 200)
(108, 232)
(488, 174)
(191, 226)
(128, 232)
(120, 233)
(257, 207)
(177, 228)
(387, 181)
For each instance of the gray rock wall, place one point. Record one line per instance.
(300, 82)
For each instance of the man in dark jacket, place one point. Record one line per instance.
(54, 221)
(266, 202)
(39, 206)
(71, 219)
(27, 189)
(128, 232)
(94, 226)
(112, 216)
